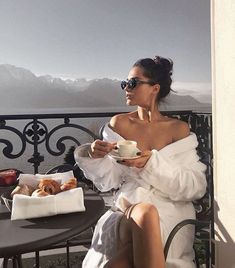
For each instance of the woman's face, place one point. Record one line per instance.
(143, 95)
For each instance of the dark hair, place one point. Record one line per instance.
(158, 70)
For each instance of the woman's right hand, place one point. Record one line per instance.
(99, 148)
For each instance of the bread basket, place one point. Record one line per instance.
(6, 197)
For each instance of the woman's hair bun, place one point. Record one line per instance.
(166, 64)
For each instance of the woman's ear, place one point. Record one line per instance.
(157, 88)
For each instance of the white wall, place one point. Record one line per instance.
(223, 75)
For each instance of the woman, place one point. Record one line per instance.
(155, 189)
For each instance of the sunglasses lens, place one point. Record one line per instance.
(131, 83)
(123, 84)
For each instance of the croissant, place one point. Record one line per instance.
(70, 184)
(39, 193)
(22, 189)
(50, 186)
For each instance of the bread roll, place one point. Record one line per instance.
(50, 186)
(22, 189)
(39, 193)
(70, 184)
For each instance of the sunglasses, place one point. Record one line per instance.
(133, 82)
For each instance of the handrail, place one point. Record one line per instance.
(84, 115)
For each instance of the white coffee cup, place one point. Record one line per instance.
(127, 148)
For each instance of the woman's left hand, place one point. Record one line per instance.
(139, 162)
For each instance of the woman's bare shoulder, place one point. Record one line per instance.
(179, 129)
(120, 121)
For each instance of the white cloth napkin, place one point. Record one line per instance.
(25, 207)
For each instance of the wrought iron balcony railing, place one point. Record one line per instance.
(53, 134)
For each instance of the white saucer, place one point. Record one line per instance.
(115, 155)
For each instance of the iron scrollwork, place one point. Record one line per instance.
(36, 132)
(8, 149)
(59, 144)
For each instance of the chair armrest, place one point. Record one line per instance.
(199, 224)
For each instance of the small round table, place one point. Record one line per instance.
(23, 236)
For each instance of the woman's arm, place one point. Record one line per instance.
(180, 177)
(104, 172)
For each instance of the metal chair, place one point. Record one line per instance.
(204, 222)
(203, 235)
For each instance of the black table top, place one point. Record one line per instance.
(22, 236)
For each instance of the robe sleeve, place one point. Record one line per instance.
(179, 177)
(105, 173)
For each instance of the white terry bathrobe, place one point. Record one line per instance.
(170, 180)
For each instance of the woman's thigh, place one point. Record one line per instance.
(133, 217)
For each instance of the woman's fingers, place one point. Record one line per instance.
(144, 153)
(138, 162)
(103, 146)
(100, 148)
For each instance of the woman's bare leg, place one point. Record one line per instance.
(123, 259)
(139, 228)
(146, 237)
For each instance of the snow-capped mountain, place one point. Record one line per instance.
(21, 89)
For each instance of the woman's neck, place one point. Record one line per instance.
(149, 115)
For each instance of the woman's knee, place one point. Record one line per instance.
(144, 213)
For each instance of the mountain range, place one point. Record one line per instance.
(20, 89)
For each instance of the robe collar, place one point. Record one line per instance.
(183, 145)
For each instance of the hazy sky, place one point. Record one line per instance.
(103, 38)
